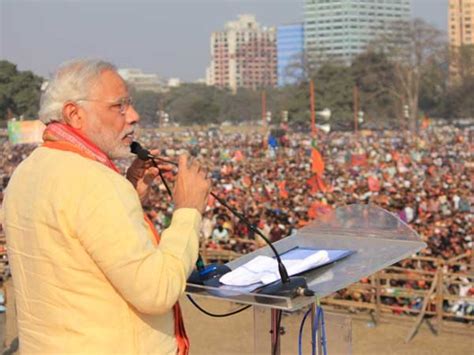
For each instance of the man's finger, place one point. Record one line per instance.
(183, 161)
(166, 167)
(150, 176)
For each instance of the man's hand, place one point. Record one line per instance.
(192, 186)
(142, 174)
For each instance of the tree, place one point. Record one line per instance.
(146, 104)
(244, 105)
(333, 89)
(373, 74)
(19, 92)
(411, 48)
(194, 104)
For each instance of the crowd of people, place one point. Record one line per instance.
(426, 180)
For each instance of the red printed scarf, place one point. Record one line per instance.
(64, 137)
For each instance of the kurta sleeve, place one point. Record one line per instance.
(110, 225)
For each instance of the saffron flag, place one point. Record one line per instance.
(425, 124)
(316, 183)
(317, 162)
(282, 189)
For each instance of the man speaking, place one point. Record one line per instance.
(90, 273)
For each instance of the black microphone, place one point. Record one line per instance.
(288, 287)
(144, 154)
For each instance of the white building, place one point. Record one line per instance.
(342, 29)
(141, 81)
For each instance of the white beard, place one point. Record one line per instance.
(105, 140)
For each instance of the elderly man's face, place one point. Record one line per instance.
(109, 128)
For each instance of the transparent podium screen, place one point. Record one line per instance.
(375, 237)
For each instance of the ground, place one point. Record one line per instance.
(235, 335)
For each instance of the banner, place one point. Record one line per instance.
(359, 160)
(21, 132)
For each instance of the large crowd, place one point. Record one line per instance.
(427, 181)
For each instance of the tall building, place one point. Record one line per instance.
(461, 22)
(461, 33)
(290, 49)
(243, 55)
(342, 29)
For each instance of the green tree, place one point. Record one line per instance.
(194, 104)
(242, 106)
(333, 89)
(20, 92)
(147, 105)
(373, 75)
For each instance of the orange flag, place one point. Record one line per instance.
(318, 162)
(317, 184)
(282, 189)
(425, 123)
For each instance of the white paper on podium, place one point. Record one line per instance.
(264, 269)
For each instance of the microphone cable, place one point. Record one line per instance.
(214, 314)
(199, 262)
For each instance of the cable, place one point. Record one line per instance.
(319, 316)
(323, 333)
(300, 336)
(314, 333)
(162, 178)
(217, 315)
(276, 337)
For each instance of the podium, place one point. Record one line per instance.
(377, 237)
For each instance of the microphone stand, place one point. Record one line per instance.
(287, 287)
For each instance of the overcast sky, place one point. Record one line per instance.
(167, 37)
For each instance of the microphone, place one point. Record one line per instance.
(144, 154)
(287, 287)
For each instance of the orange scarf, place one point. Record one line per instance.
(63, 137)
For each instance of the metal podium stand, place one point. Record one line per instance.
(377, 237)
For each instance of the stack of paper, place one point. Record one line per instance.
(264, 269)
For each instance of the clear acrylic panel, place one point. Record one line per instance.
(377, 238)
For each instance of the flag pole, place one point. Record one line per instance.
(312, 104)
(264, 116)
(355, 108)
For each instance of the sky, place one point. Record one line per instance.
(168, 37)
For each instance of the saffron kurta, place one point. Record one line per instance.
(87, 276)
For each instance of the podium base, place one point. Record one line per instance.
(296, 286)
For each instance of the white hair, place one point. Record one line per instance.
(72, 81)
